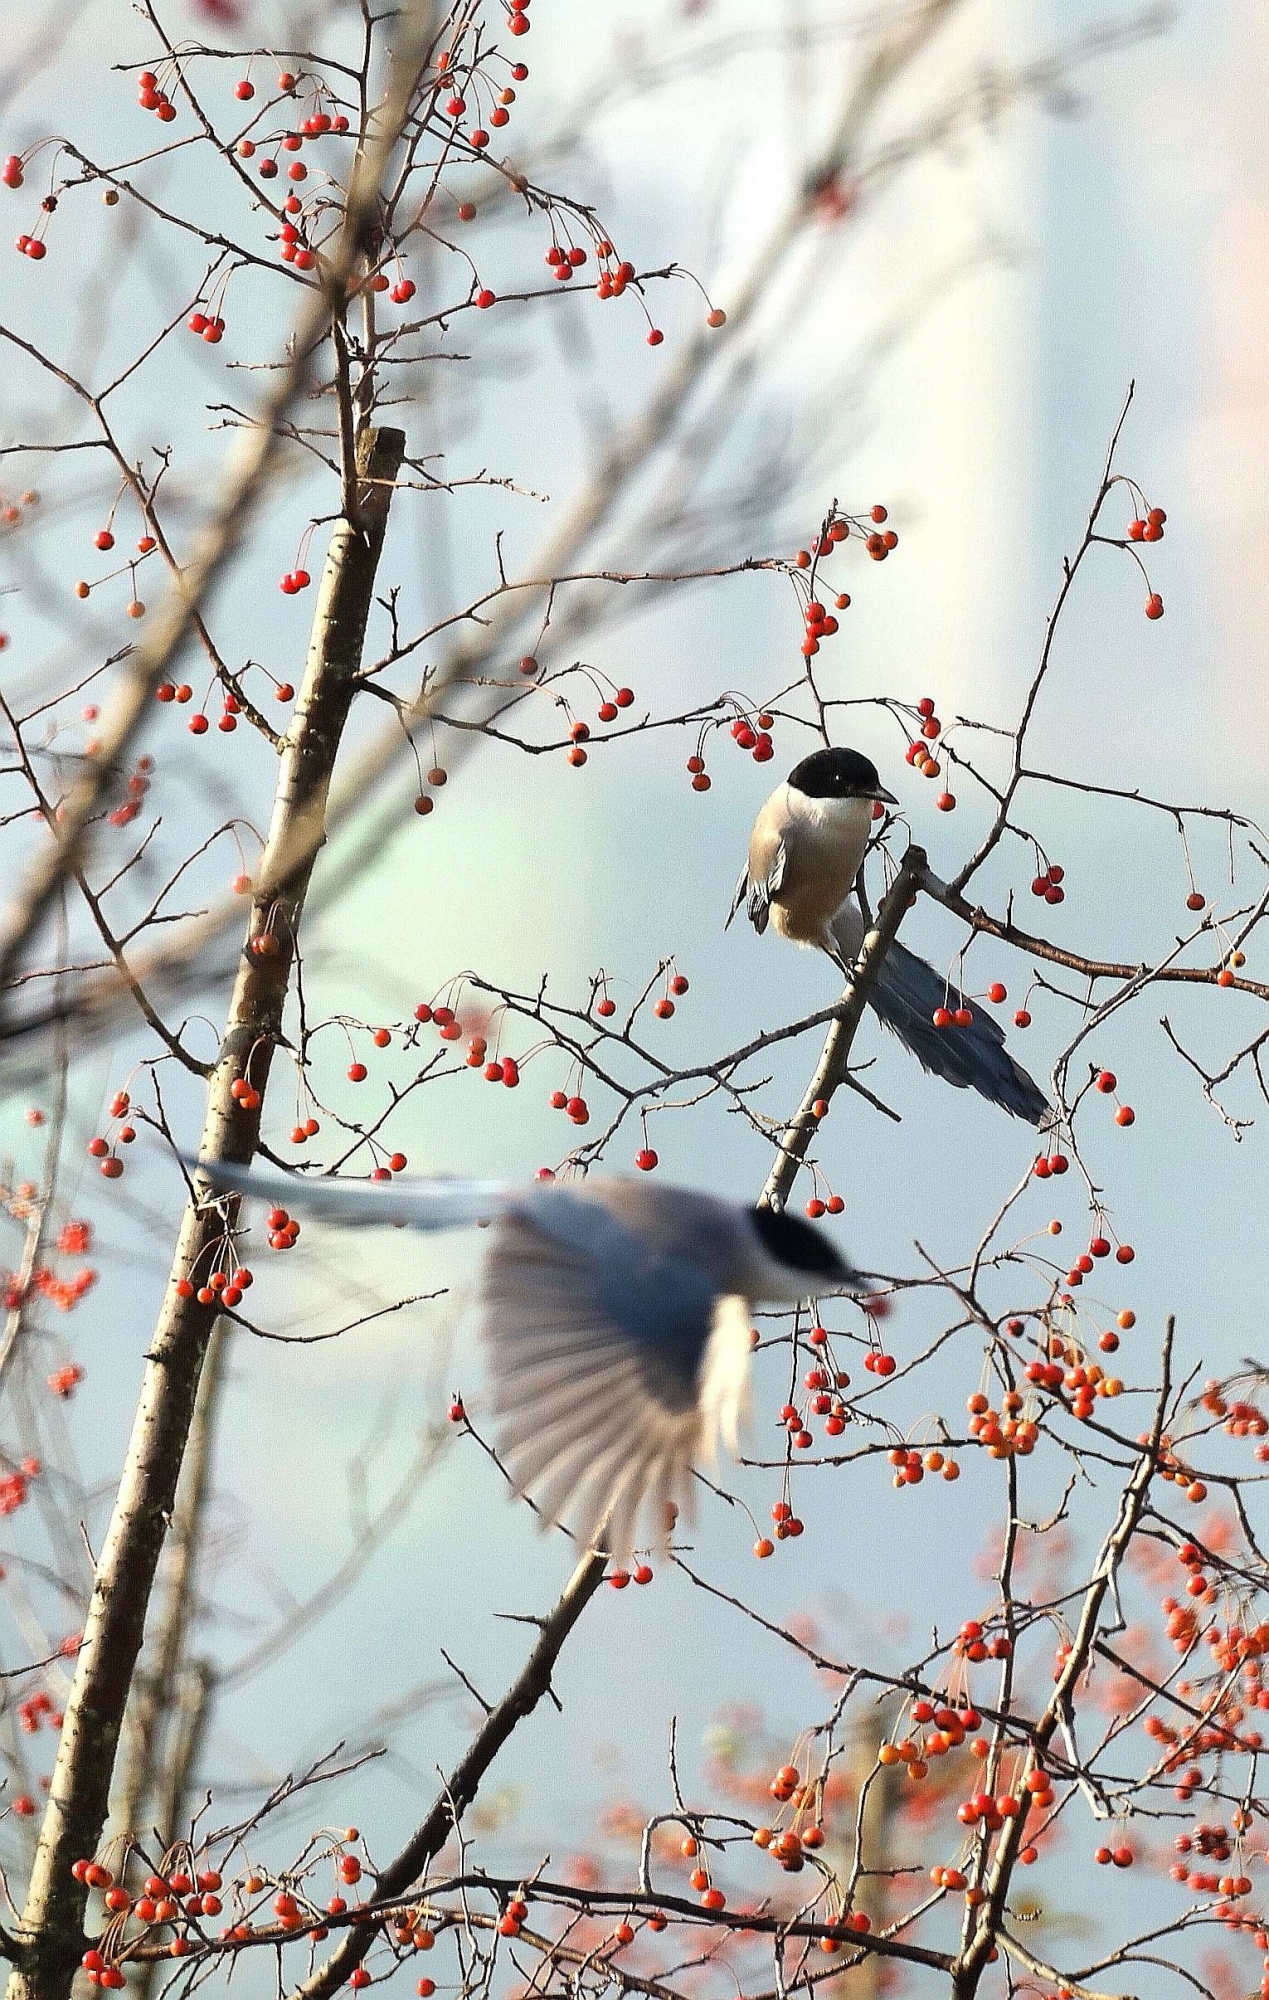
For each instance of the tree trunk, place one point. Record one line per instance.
(51, 1932)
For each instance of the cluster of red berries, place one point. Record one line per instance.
(64, 1381)
(227, 1287)
(209, 326)
(663, 1008)
(940, 1727)
(444, 1019)
(283, 1230)
(1107, 1083)
(1049, 884)
(504, 1069)
(712, 1898)
(911, 1465)
(787, 1788)
(31, 246)
(1003, 1433)
(949, 1878)
(136, 787)
(499, 115)
(1148, 528)
(227, 723)
(15, 1486)
(500, 1069)
(920, 755)
(104, 540)
(1099, 1246)
(244, 1092)
(619, 1578)
(982, 1810)
(37, 1709)
(1084, 1380)
(511, 1922)
(64, 1293)
(824, 1386)
(99, 1149)
(838, 530)
(169, 691)
(437, 778)
(755, 736)
(820, 1205)
(11, 172)
(151, 98)
(294, 580)
(878, 1362)
(1234, 963)
(790, 1846)
(953, 1017)
(564, 261)
(1118, 1857)
(575, 1106)
(313, 127)
(785, 1526)
(622, 697)
(1241, 1418)
(11, 517)
(973, 1644)
(819, 623)
(165, 1899)
(1210, 1842)
(1172, 1469)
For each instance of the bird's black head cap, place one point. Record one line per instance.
(836, 774)
(796, 1245)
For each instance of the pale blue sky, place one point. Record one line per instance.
(1030, 273)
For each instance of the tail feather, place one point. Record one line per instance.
(414, 1203)
(905, 996)
(974, 1058)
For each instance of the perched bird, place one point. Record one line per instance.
(616, 1319)
(805, 853)
(807, 847)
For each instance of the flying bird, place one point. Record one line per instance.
(616, 1317)
(805, 852)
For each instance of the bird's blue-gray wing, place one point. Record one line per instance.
(596, 1346)
(763, 887)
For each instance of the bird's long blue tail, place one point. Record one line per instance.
(905, 997)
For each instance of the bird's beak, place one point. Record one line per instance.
(887, 798)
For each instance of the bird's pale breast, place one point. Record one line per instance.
(825, 840)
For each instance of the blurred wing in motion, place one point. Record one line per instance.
(613, 1363)
(612, 1366)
